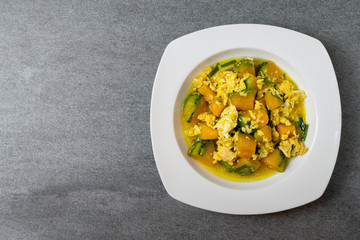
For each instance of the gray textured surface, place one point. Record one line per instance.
(76, 82)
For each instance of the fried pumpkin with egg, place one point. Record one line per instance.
(245, 117)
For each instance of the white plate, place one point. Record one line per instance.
(305, 59)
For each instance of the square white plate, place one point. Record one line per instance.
(305, 60)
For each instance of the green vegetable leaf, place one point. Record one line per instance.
(269, 82)
(242, 170)
(226, 165)
(202, 148)
(248, 90)
(228, 63)
(261, 69)
(304, 133)
(212, 73)
(270, 122)
(304, 128)
(301, 124)
(282, 159)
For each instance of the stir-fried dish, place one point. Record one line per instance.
(244, 119)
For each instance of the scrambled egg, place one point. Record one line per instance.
(201, 78)
(227, 82)
(224, 153)
(227, 121)
(265, 149)
(208, 118)
(193, 131)
(292, 147)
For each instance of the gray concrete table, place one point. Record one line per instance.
(76, 157)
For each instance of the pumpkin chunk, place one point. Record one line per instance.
(263, 134)
(243, 103)
(203, 152)
(202, 107)
(207, 132)
(272, 101)
(245, 66)
(286, 130)
(208, 94)
(275, 160)
(251, 82)
(258, 116)
(246, 145)
(216, 107)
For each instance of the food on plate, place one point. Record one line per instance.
(244, 119)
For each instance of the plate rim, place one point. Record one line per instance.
(174, 187)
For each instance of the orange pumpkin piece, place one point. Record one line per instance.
(262, 101)
(273, 71)
(246, 145)
(203, 151)
(208, 94)
(275, 160)
(202, 107)
(286, 130)
(207, 132)
(262, 117)
(245, 66)
(272, 101)
(251, 82)
(243, 103)
(263, 134)
(217, 107)
(259, 116)
(247, 165)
